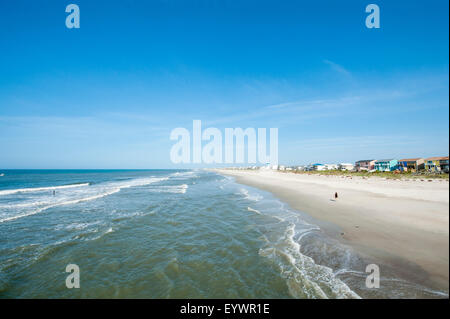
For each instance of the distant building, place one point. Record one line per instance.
(437, 164)
(411, 164)
(346, 166)
(331, 166)
(317, 167)
(365, 165)
(386, 165)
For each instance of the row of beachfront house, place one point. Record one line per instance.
(434, 164)
(327, 167)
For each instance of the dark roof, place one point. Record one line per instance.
(364, 161)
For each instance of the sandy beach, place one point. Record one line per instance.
(402, 223)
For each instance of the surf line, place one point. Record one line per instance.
(192, 309)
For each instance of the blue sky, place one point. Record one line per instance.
(107, 95)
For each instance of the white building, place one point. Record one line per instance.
(346, 166)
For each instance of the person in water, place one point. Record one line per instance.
(335, 195)
(54, 192)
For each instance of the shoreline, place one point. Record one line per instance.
(403, 224)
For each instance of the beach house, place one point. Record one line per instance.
(386, 165)
(411, 164)
(437, 164)
(365, 165)
(346, 166)
(331, 166)
(318, 167)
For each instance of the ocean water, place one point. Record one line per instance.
(168, 234)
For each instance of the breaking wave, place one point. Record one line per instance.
(40, 189)
(84, 192)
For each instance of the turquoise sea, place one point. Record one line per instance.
(168, 234)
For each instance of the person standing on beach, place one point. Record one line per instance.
(335, 195)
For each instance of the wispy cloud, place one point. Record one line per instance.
(317, 103)
(312, 108)
(338, 68)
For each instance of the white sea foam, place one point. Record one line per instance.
(253, 210)
(252, 197)
(306, 232)
(109, 230)
(177, 189)
(304, 277)
(183, 175)
(40, 189)
(76, 226)
(69, 202)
